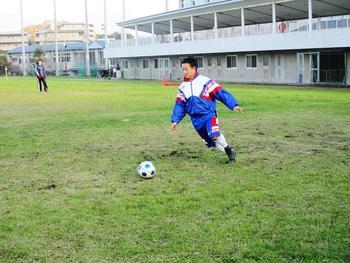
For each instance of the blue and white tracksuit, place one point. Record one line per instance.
(197, 98)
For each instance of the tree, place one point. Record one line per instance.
(3, 63)
(38, 53)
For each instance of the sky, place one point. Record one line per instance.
(37, 11)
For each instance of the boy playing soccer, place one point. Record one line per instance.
(197, 97)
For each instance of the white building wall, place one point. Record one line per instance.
(290, 41)
(281, 68)
(347, 68)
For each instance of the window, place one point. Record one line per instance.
(279, 60)
(341, 23)
(251, 61)
(265, 61)
(125, 64)
(156, 63)
(199, 61)
(114, 61)
(173, 62)
(231, 61)
(181, 62)
(91, 56)
(145, 64)
(218, 61)
(165, 63)
(331, 24)
(209, 61)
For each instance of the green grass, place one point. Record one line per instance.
(69, 190)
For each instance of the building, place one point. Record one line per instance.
(66, 32)
(10, 40)
(304, 42)
(71, 58)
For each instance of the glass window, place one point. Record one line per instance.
(156, 63)
(209, 61)
(125, 64)
(331, 24)
(218, 61)
(199, 61)
(265, 61)
(342, 23)
(145, 64)
(231, 61)
(251, 61)
(173, 62)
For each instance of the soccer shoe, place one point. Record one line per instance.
(231, 153)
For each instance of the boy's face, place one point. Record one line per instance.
(39, 62)
(188, 71)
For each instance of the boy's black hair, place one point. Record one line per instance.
(191, 61)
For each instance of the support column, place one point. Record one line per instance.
(273, 18)
(192, 29)
(215, 25)
(242, 21)
(171, 31)
(122, 37)
(136, 36)
(152, 28)
(310, 14)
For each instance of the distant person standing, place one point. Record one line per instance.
(41, 75)
(119, 75)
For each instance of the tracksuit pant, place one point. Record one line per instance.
(40, 82)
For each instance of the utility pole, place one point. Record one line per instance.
(105, 28)
(123, 36)
(56, 43)
(87, 56)
(23, 47)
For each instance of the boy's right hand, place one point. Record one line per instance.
(237, 109)
(173, 126)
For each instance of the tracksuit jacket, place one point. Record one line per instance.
(197, 98)
(40, 71)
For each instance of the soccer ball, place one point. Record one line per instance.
(146, 169)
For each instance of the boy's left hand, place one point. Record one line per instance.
(237, 109)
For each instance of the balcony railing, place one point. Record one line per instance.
(323, 23)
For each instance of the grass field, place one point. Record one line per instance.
(69, 190)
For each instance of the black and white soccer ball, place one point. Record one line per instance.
(146, 170)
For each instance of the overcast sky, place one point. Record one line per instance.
(36, 11)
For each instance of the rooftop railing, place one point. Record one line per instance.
(324, 23)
